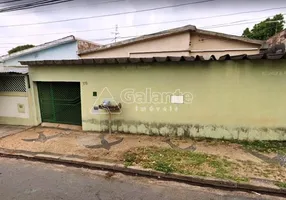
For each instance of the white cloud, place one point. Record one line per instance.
(83, 8)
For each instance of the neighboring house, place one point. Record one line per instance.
(64, 48)
(277, 42)
(183, 41)
(16, 104)
(231, 97)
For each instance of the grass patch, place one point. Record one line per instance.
(129, 159)
(265, 146)
(184, 162)
(281, 184)
(260, 146)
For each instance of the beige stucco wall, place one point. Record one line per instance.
(183, 44)
(175, 43)
(231, 99)
(207, 46)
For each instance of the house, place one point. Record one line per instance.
(182, 41)
(277, 42)
(64, 48)
(231, 97)
(16, 104)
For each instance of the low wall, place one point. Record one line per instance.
(228, 99)
(15, 100)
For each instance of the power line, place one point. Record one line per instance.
(108, 15)
(112, 38)
(240, 22)
(33, 4)
(126, 37)
(10, 43)
(12, 1)
(96, 39)
(136, 25)
(209, 27)
(55, 9)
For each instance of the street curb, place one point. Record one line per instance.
(219, 183)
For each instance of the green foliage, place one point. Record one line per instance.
(266, 28)
(20, 48)
(164, 167)
(265, 146)
(129, 159)
(281, 184)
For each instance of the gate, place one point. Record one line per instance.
(60, 102)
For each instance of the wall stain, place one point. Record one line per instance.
(188, 130)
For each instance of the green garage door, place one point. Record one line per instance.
(60, 102)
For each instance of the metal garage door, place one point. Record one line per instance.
(60, 102)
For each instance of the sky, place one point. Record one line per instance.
(100, 27)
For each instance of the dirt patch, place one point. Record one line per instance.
(74, 142)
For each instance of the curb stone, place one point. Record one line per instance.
(226, 184)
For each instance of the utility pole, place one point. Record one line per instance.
(116, 33)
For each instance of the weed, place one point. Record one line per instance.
(260, 146)
(185, 162)
(265, 146)
(129, 159)
(164, 167)
(281, 184)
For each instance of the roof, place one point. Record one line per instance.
(102, 61)
(41, 47)
(230, 37)
(168, 33)
(277, 38)
(16, 70)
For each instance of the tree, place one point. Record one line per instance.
(266, 28)
(20, 48)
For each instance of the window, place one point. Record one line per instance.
(12, 83)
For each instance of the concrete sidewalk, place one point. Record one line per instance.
(88, 147)
(6, 130)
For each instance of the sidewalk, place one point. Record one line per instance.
(211, 159)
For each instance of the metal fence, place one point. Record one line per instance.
(12, 83)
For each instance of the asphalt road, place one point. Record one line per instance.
(25, 180)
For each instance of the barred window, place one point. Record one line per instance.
(12, 84)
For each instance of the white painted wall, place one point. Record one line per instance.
(9, 106)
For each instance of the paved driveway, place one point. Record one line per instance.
(6, 130)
